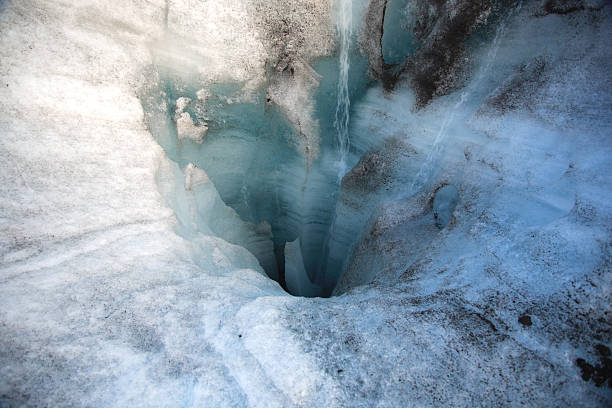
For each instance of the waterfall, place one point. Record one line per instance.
(343, 104)
(341, 125)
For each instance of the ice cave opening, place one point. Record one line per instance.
(275, 200)
(277, 178)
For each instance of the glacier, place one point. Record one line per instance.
(319, 203)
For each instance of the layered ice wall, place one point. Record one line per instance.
(274, 141)
(160, 158)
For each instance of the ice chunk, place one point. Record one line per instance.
(202, 94)
(194, 176)
(201, 210)
(187, 129)
(181, 104)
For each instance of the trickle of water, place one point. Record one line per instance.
(341, 123)
(421, 177)
(343, 104)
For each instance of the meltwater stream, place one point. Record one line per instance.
(341, 125)
(343, 105)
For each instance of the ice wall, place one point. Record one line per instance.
(433, 144)
(275, 144)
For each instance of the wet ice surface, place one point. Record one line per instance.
(119, 285)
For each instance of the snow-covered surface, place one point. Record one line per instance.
(119, 287)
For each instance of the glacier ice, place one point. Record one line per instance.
(162, 160)
(444, 204)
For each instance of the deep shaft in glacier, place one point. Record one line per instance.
(341, 126)
(247, 145)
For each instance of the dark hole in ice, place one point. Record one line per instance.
(253, 156)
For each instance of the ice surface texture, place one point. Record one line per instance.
(472, 229)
